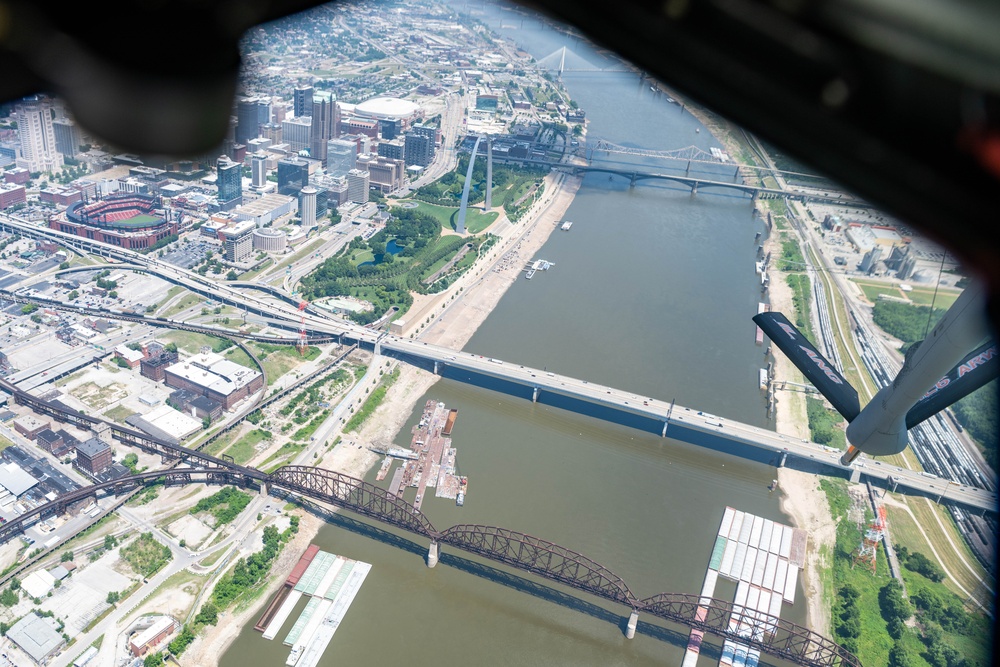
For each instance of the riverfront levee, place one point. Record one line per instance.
(653, 292)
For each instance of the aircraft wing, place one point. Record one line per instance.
(813, 365)
(976, 369)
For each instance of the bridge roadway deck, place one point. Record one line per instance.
(579, 395)
(682, 423)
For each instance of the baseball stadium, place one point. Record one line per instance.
(128, 220)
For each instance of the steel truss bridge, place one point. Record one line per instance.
(691, 154)
(771, 635)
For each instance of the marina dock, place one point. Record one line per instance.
(763, 558)
(537, 265)
(331, 582)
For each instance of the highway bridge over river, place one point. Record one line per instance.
(577, 395)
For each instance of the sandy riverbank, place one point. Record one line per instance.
(801, 499)
(481, 289)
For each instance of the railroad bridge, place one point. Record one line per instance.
(547, 560)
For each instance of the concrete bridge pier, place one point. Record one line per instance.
(437, 368)
(687, 170)
(694, 189)
(432, 554)
(264, 488)
(855, 475)
(663, 433)
(784, 457)
(534, 395)
(632, 181)
(633, 621)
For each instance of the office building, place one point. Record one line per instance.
(420, 145)
(293, 175)
(390, 128)
(270, 240)
(325, 123)
(251, 113)
(268, 209)
(307, 207)
(258, 170)
(302, 101)
(68, 136)
(388, 175)
(394, 150)
(341, 156)
(357, 186)
(229, 180)
(38, 137)
(237, 240)
(297, 133)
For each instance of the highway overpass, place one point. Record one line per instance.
(607, 403)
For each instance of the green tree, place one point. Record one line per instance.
(110, 542)
(9, 598)
(900, 657)
(113, 597)
(209, 615)
(153, 660)
(64, 266)
(892, 602)
(66, 556)
(232, 275)
(73, 295)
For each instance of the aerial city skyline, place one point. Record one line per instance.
(462, 294)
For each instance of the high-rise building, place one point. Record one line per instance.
(38, 138)
(419, 149)
(390, 128)
(394, 150)
(388, 174)
(302, 101)
(68, 136)
(293, 175)
(237, 240)
(307, 207)
(258, 169)
(341, 156)
(229, 179)
(249, 111)
(357, 186)
(297, 133)
(325, 123)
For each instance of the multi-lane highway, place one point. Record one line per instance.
(534, 381)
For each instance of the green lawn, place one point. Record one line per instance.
(278, 360)
(475, 220)
(249, 275)
(923, 297)
(245, 448)
(873, 290)
(182, 304)
(119, 413)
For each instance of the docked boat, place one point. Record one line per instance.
(566, 226)
(460, 499)
(293, 657)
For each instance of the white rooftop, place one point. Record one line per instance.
(15, 479)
